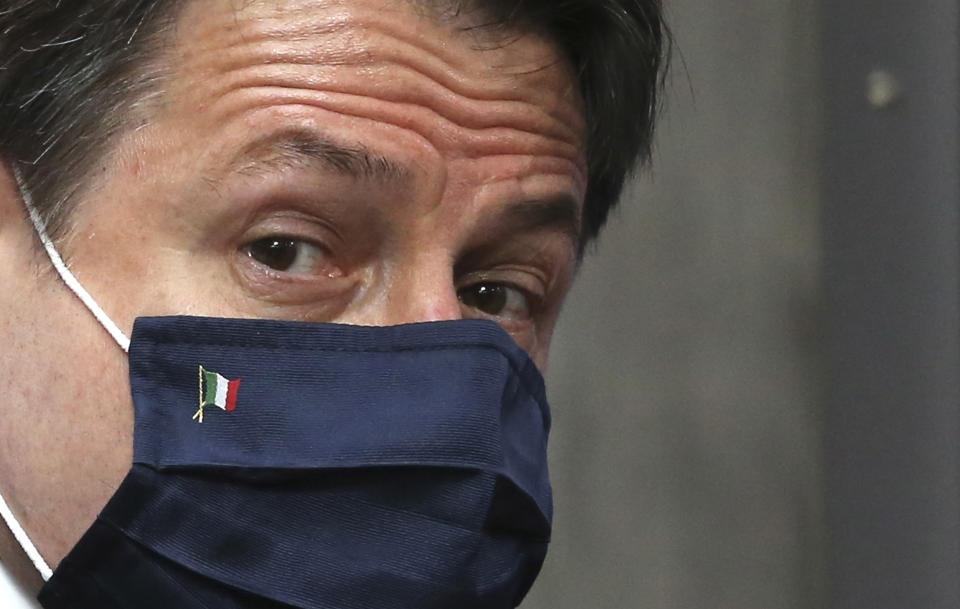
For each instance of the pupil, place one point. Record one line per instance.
(490, 299)
(278, 254)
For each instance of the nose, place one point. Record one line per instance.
(421, 291)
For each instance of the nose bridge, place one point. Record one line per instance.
(423, 289)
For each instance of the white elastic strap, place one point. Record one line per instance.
(65, 273)
(24, 540)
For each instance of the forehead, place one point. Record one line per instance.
(465, 88)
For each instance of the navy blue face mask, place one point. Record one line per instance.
(289, 464)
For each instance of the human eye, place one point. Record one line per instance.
(497, 300)
(290, 255)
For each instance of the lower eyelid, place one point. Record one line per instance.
(262, 278)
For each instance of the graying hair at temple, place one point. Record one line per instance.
(75, 73)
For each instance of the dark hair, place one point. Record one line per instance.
(74, 73)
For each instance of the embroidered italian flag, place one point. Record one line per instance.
(216, 390)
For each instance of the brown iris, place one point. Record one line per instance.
(489, 298)
(277, 253)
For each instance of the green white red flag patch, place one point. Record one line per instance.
(216, 390)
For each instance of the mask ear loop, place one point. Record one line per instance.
(65, 274)
(68, 278)
(24, 540)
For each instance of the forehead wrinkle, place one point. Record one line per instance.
(282, 55)
(360, 26)
(449, 129)
(437, 131)
(545, 93)
(470, 114)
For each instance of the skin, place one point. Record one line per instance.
(411, 160)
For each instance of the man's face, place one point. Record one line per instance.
(344, 161)
(348, 161)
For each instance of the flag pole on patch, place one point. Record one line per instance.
(216, 390)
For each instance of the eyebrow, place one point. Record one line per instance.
(561, 213)
(298, 149)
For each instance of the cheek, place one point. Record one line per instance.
(541, 350)
(546, 327)
(540, 358)
(136, 263)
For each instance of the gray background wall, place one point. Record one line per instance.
(891, 282)
(684, 380)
